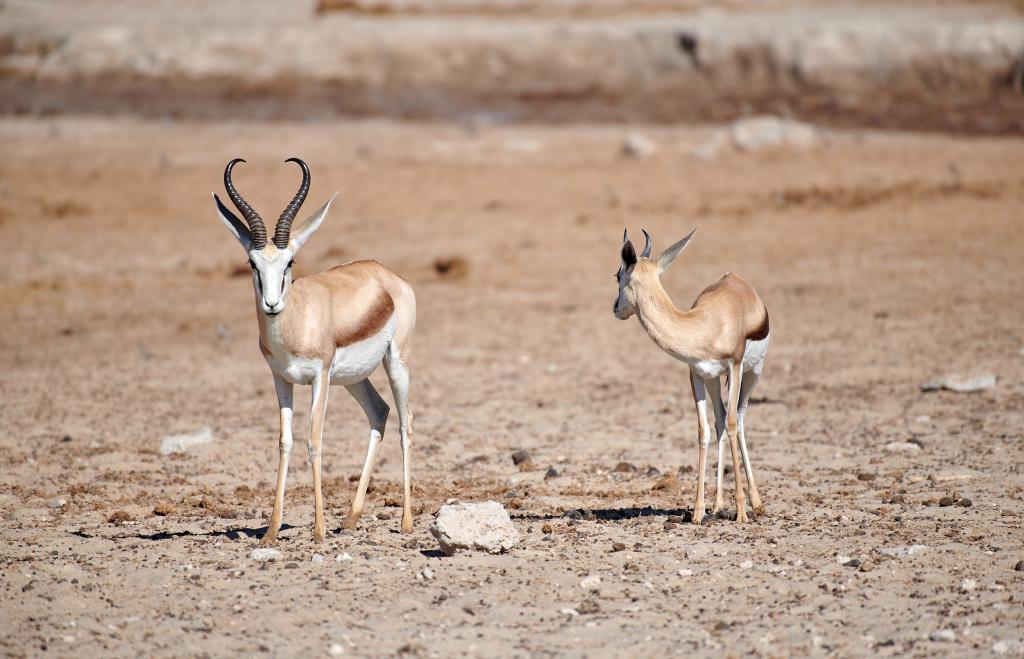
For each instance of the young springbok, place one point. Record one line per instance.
(335, 327)
(724, 332)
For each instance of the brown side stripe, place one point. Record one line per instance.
(374, 321)
(762, 330)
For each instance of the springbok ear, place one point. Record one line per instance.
(302, 233)
(628, 254)
(234, 225)
(670, 254)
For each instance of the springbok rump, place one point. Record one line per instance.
(725, 332)
(334, 327)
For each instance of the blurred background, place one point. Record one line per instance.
(921, 64)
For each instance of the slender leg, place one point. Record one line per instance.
(715, 395)
(734, 394)
(321, 385)
(746, 386)
(703, 439)
(377, 414)
(284, 401)
(398, 375)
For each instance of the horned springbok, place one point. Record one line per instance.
(724, 332)
(335, 327)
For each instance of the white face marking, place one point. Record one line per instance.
(271, 277)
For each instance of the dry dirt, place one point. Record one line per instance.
(885, 260)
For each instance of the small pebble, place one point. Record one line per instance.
(588, 606)
(946, 501)
(618, 546)
(852, 563)
(675, 519)
(967, 585)
(318, 558)
(866, 567)
(342, 557)
(747, 564)
(965, 503)
(546, 529)
(685, 572)
(943, 635)
(59, 502)
(265, 554)
(519, 457)
(590, 581)
(336, 650)
(1019, 567)
(625, 467)
(292, 566)
(426, 574)
(652, 472)
(551, 473)
(668, 526)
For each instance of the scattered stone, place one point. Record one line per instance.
(426, 574)
(685, 572)
(747, 564)
(523, 460)
(264, 554)
(336, 650)
(163, 509)
(551, 473)
(638, 146)
(961, 384)
(668, 526)
(967, 585)
(898, 552)
(181, 443)
(855, 562)
(652, 472)
(902, 447)
(1008, 646)
(590, 581)
(588, 606)
(59, 502)
(965, 503)
(945, 502)
(482, 526)
(757, 133)
(866, 567)
(318, 558)
(618, 546)
(625, 467)
(675, 519)
(383, 515)
(291, 566)
(943, 635)
(66, 438)
(567, 611)
(342, 557)
(866, 477)
(1019, 567)
(546, 528)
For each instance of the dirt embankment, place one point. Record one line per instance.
(943, 67)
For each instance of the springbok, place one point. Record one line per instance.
(724, 332)
(334, 327)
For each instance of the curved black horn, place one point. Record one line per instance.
(647, 248)
(256, 227)
(283, 230)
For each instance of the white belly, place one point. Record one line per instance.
(354, 362)
(753, 360)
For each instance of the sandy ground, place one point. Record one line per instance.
(885, 260)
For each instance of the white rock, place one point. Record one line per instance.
(590, 581)
(59, 502)
(482, 526)
(747, 564)
(766, 131)
(336, 650)
(343, 557)
(569, 612)
(1007, 646)
(685, 572)
(967, 585)
(962, 384)
(265, 554)
(426, 574)
(181, 443)
(902, 447)
(637, 146)
(318, 558)
(943, 635)
(911, 550)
